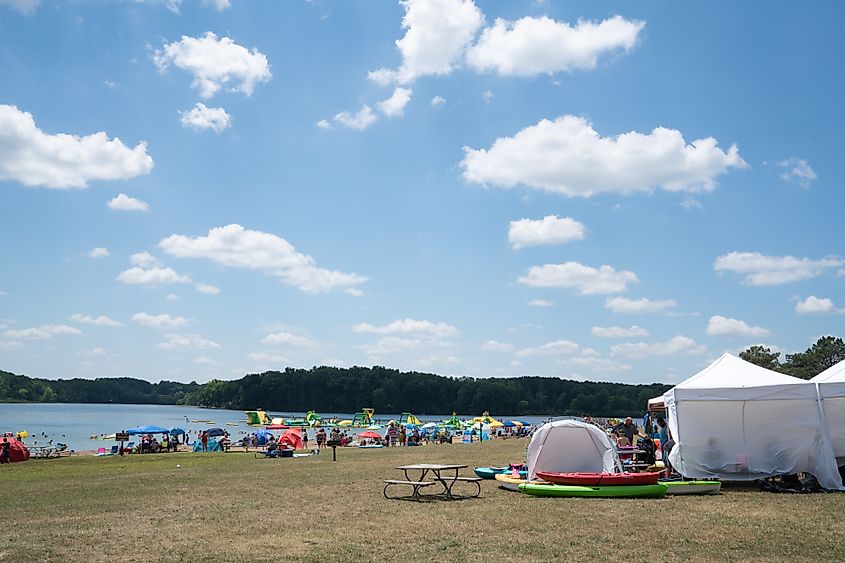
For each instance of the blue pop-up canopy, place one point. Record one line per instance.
(148, 430)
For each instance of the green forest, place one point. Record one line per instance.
(331, 389)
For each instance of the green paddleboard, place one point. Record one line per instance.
(611, 491)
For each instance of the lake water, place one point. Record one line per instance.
(74, 424)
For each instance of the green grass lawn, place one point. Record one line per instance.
(233, 507)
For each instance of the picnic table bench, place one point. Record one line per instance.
(437, 477)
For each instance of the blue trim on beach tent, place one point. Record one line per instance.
(212, 446)
(147, 430)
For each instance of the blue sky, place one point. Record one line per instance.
(598, 190)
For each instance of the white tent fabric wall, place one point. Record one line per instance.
(571, 446)
(831, 389)
(737, 421)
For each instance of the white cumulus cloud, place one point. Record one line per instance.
(813, 305)
(495, 346)
(163, 321)
(555, 348)
(567, 156)
(218, 5)
(438, 101)
(531, 46)
(288, 339)
(798, 172)
(619, 332)
(551, 229)
(675, 346)
(215, 63)
(41, 332)
(25, 7)
(360, 120)
(202, 117)
(187, 342)
(102, 320)
(583, 279)
(723, 326)
(34, 158)
(394, 106)
(642, 305)
(99, 252)
(151, 276)
(540, 303)
(237, 247)
(143, 260)
(123, 202)
(760, 269)
(409, 326)
(206, 288)
(437, 35)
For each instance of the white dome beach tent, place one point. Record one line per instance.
(831, 389)
(571, 446)
(737, 421)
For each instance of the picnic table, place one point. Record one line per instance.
(445, 475)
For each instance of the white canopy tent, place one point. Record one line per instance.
(738, 421)
(831, 389)
(571, 446)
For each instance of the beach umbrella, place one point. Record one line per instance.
(370, 434)
(215, 432)
(496, 424)
(176, 431)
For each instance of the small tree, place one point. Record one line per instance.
(762, 356)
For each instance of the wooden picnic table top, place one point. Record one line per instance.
(430, 466)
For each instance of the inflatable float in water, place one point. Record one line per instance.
(613, 491)
(599, 479)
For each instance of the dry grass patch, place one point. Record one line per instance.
(233, 507)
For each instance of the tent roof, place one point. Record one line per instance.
(833, 374)
(732, 372)
(149, 429)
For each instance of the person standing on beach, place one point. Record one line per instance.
(4, 450)
(204, 440)
(305, 438)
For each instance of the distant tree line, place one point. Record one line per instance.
(19, 388)
(330, 389)
(826, 352)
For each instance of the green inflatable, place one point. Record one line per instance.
(611, 491)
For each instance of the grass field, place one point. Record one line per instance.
(233, 507)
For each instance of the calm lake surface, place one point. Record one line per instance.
(74, 424)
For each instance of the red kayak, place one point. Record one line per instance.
(599, 479)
